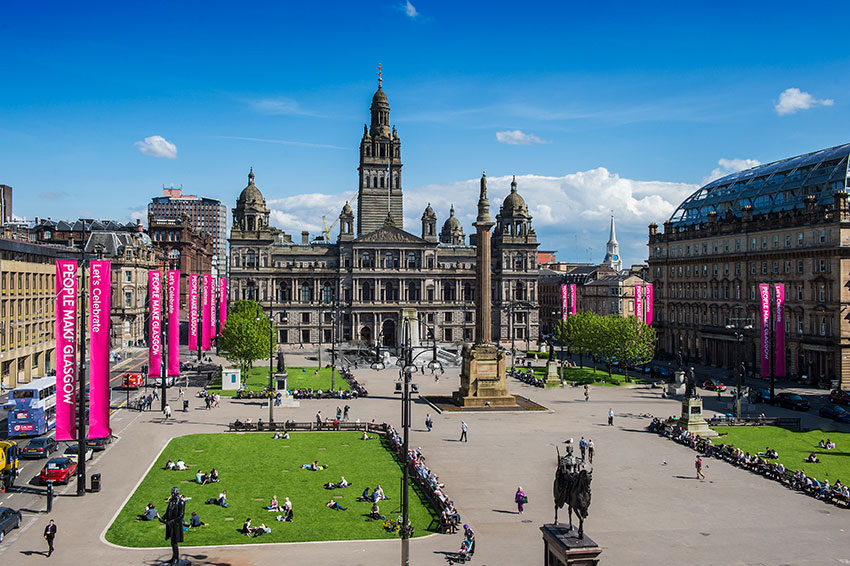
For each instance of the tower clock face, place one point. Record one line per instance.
(616, 257)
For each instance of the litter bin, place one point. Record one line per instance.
(95, 483)
(185, 405)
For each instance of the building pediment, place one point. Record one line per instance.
(389, 234)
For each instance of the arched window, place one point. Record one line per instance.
(367, 293)
(411, 259)
(519, 292)
(367, 181)
(365, 260)
(381, 181)
(327, 293)
(468, 292)
(306, 293)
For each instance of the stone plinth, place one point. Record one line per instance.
(482, 378)
(562, 547)
(552, 372)
(692, 419)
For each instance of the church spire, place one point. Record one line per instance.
(612, 250)
(612, 238)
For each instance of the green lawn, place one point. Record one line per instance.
(585, 374)
(794, 448)
(299, 378)
(253, 467)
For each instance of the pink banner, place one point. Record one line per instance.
(639, 302)
(193, 312)
(66, 349)
(573, 297)
(173, 323)
(205, 313)
(564, 301)
(222, 303)
(779, 368)
(647, 306)
(764, 296)
(154, 323)
(213, 307)
(100, 291)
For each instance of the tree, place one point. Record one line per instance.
(246, 336)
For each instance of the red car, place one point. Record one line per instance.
(714, 385)
(60, 470)
(132, 381)
(840, 397)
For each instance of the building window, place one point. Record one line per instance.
(305, 318)
(787, 267)
(737, 245)
(799, 266)
(775, 267)
(753, 268)
(821, 293)
(799, 239)
(764, 268)
(128, 276)
(822, 236)
(799, 325)
(776, 241)
(753, 244)
(787, 240)
(128, 299)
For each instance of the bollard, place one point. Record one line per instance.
(49, 496)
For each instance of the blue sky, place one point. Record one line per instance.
(595, 107)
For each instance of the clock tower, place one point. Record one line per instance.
(612, 250)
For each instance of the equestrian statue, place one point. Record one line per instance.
(572, 487)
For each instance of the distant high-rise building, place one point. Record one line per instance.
(5, 203)
(206, 214)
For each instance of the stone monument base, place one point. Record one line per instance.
(564, 548)
(483, 381)
(692, 420)
(552, 372)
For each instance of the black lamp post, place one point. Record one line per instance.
(271, 358)
(738, 325)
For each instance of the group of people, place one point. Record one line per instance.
(587, 449)
(254, 531)
(427, 480)
(285, 510)
(759, 463)
(211, 400)
(826, 445)
(179, 465)
(204, 479)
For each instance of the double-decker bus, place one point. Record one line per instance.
(32, 407)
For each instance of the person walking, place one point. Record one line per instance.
(49, 535)
(611, 417)
(338, 413)
(179, 393)
(463, 430)
(345, 412)
(698, 466)
(586, 391)
(520, 499)
(582, 446)
(318, 417)
(428, 422)
(590, 449)
(167, 412)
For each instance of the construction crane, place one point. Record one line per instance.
(326, 233)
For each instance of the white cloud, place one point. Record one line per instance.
(157, 146)
(517, 137)
(304, 212)
(281, 106)
(728, 166)
(793, 99)
(410, 10)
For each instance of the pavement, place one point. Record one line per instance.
(647, 506)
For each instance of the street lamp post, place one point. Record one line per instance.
(738, 325)
(271, 356)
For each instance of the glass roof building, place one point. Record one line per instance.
(774, 187)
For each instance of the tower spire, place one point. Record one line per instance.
(380, 75)
(612, 238)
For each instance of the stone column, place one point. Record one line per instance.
(483, 308)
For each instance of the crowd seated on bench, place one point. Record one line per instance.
(760, 463)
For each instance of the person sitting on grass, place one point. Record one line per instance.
(259, 530)
(246, 527)
(315, 466)
(222, 498)
(830, 445)
(273, 506)
(813, 458)
(365, 496)
(180, 465)
(365, 436)
(195, 521)
(200, 477)
(213, 476)
(375, 513)
(378, 494)
(150, 513)
(341, 484)
(821, 444)
(770, 453)
(287, 510)
(170, 464)
(335, 506)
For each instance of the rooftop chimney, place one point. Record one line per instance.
(305, 237)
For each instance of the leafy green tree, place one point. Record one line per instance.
(246, 336)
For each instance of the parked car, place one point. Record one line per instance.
(9, 519)
(792, 401)
(59, 470)
(714, 385)
(839, 396)
(72, 451)
(98, 443)
(759, 395)
(836, 413)
(157, 381)
(132, 380)
(40, 447)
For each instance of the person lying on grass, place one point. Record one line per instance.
(170, 464)
(315, 466)
(335, 506)
(342, 484)
(273, 506)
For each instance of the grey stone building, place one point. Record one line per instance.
(359, 288)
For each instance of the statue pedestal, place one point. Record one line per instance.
(482, 378)
(692, 420)
(552, 372)
(564, 548)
